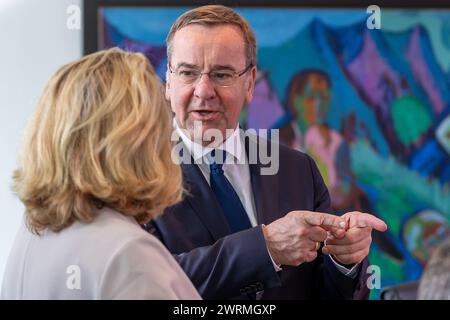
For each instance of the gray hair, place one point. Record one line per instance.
(212, 15)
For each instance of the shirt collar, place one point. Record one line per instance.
(233, 145)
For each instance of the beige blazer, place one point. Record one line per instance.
(110, 258)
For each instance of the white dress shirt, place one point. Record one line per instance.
(237, 172)
(236, 169)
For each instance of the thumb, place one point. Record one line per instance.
(324, 220)
(336, 233)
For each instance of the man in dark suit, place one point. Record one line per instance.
(244, 229)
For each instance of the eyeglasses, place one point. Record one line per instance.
(220, 78)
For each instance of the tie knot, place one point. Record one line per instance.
(216, 168)
(217, 159)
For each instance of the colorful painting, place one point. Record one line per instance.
(370, 105)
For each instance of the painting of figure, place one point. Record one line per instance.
(371, 106)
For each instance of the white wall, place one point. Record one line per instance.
(35, 42)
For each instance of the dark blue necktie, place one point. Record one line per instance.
(226, 196)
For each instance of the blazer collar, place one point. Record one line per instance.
(264, 187)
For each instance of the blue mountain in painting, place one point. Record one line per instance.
(113, 37)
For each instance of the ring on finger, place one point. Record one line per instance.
(317, 246)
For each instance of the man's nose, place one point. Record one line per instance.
(204, 88)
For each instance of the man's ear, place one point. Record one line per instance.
(251, 85)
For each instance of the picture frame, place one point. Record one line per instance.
(381, 95)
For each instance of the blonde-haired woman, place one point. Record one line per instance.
(95, 164)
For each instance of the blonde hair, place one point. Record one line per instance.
(100, 137)
(211, 15)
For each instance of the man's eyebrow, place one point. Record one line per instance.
(223, 67)
(214, 67)
(186, 65)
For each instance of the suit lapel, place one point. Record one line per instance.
(203, 202)
(265, 188)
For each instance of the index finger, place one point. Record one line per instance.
(367, 220)
(324, 220)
